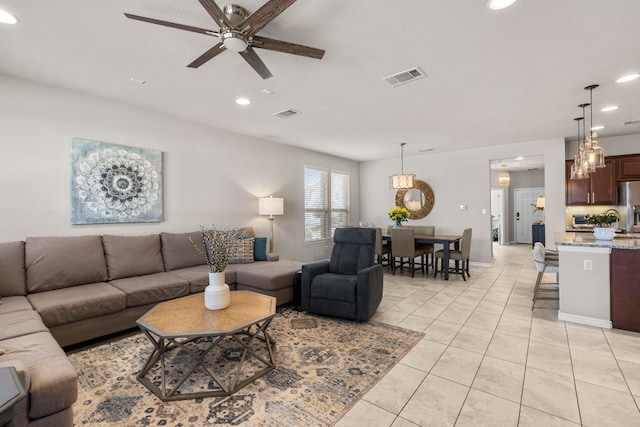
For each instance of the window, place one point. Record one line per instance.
(326, 202)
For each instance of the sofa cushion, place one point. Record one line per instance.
(62, 306)
(17, 303)
(246, 232)
(267, 275)
(20, 323)
(60, 262)
(244, 251)
(151, 288)
(53, 381)
(198, 277)
(260, 249)
(179, 252)
(129, 256)
(13, 276)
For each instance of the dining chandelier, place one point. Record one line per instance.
(403, 180)
(590, 154)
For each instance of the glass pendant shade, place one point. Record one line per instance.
(596, 153)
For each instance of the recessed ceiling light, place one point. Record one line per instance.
(609, 108)
(426, 150)
(628, 78)
(267, 91)
(500, 4)
(597, 127)
(7, 18)
(243, 101)
(519, 158)
(137, 80)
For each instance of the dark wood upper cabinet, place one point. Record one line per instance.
(599, 189)
(629, 168)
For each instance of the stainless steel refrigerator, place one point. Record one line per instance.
(629, 197)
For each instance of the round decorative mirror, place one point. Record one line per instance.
(418, 200)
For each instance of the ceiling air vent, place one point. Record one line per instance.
(285, 114)
(632, 122)
(405, 77)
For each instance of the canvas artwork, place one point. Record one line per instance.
(114, 184)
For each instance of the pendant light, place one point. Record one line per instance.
(401, 181)
(585, 146)
(578, 169)
(504, 178)
(595, 153)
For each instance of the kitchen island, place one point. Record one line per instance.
(599, 280)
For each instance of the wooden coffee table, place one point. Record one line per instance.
(186, 335)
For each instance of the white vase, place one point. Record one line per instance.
(217, 295)
(604, 233)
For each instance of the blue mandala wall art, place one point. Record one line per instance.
(114, 183)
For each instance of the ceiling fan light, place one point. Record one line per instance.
(234, 41)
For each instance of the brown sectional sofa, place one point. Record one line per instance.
(58, 291)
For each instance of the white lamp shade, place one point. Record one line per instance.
(401, 181)
(540, 202)
(271, 206)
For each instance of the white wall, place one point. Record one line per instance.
(613, 146)
(464, 178)
(210, 175)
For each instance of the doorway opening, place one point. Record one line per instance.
(511, 217)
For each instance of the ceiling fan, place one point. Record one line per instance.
(238, 31)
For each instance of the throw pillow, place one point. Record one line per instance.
(260, 249)
(244, 251)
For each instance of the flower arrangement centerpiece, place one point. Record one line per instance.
(398, 215)
(603, 223)
(219, 248)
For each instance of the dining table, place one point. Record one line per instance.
(442, 239)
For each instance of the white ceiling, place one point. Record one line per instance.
(493, 77)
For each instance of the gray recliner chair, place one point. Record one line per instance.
(349, 285)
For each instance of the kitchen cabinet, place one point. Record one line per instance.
(629, 168)
(599, 189)
(625, 292)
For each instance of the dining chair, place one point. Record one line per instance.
(546, 262)
(403, 245)
(461, 255)
(382, 250)
(427, 230)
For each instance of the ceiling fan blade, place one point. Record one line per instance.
(268, 12)
(286, 47)
(214, 51)
(256, 63)
(216, 13)
(173, 25)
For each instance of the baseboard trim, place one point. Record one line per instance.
(583, 320)
(480, 264)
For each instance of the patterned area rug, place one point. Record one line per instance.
(324, 366)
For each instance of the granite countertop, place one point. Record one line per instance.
(620, 241)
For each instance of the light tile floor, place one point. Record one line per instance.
(488, 359)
